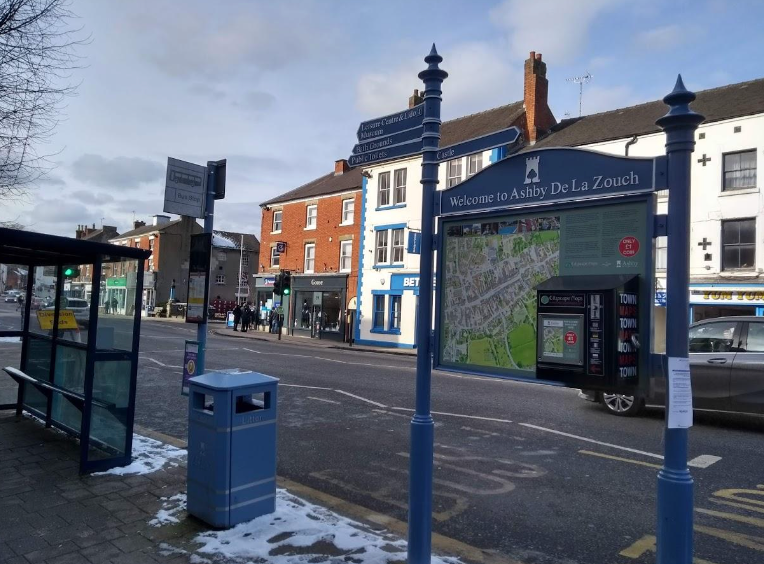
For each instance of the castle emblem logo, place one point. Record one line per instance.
(532, 170)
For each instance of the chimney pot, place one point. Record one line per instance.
(341, 166)
(416, 99)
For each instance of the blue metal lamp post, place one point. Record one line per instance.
(675, 485)
(209, 219)
(422, 425)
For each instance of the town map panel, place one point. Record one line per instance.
(488, 318)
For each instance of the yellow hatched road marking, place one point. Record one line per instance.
(748, 541)
(620, 459)
(755, 521)
(647, 544)
(740, 505)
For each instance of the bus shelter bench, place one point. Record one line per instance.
(48, 389)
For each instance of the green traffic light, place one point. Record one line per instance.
(286, 291)
(68, 272)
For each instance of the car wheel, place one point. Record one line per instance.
(623, 405)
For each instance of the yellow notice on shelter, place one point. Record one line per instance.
(66, 319)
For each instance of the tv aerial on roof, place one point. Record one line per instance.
(580, 80)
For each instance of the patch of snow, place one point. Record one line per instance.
(149, 456)
(169, 550)
(170, 508)
(222, 242)
(10, 339)
(196, 559)
(300, 532)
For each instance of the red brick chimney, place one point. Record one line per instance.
(538, 116)
(416, 99)
(340, 167)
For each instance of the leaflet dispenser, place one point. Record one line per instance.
(588, 332)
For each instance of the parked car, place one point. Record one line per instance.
(726, 367)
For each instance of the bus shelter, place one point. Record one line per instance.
(78, 361)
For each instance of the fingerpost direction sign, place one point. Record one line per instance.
(393, 123)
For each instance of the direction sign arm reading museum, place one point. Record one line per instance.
(546, 269)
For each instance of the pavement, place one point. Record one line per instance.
(522, 471)
(49, 514)
(259, 335)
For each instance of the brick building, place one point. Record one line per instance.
(318, 225)
(169, 242)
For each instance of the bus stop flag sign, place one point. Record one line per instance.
(185, 188)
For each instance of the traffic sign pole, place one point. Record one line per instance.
(675, 496)
(209, 218)
(422, 424)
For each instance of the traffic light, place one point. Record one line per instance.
(71, 272)
(286, 283)
(278, 284)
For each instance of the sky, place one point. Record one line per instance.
(279, 88)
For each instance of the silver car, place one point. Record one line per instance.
(726, 366)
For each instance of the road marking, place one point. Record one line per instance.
(755, 521)
(391, 413)
(588, 440)
(647, 544)
(458, 415)
(361, 398)
(748, 541)
(306, 387)
(704, 461)
(337, 361)
(325, 400)
(732, 494)
(620, 459)
(738, 505)
(160, 363)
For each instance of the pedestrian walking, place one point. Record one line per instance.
(236, 317)
(19, 302)
(246, 318)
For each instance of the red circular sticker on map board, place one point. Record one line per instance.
(629, 246)
(570, 338)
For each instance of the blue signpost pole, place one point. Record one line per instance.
(209, 218)
(422, 425)
(675, 485)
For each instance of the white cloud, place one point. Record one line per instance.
(666, 37)
(557, 28)
(194, 41)
(119, 172)
(479, 78)
(602, 99)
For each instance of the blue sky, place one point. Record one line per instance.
(278, 88)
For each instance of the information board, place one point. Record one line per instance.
(490, 268)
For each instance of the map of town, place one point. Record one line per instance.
(489, 301)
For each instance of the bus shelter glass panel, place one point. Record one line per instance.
(10, 355)
(110, 409)
(37, 364)
(69, 373)
(43, 303)
(74, 307)
(116, 308)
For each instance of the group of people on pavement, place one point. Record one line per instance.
(249, 317)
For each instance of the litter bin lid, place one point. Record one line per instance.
(232, 379)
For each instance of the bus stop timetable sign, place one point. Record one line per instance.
(185, 187)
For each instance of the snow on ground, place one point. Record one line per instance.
(10, 339)
(171, 506)
(148, 456)
(300, 532)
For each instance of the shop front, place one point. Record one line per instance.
(725, 300)
(318, 306)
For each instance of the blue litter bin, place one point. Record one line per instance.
(231, 446)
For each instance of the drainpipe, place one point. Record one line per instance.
(631, 142)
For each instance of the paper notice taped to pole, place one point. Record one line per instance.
(679, 394)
